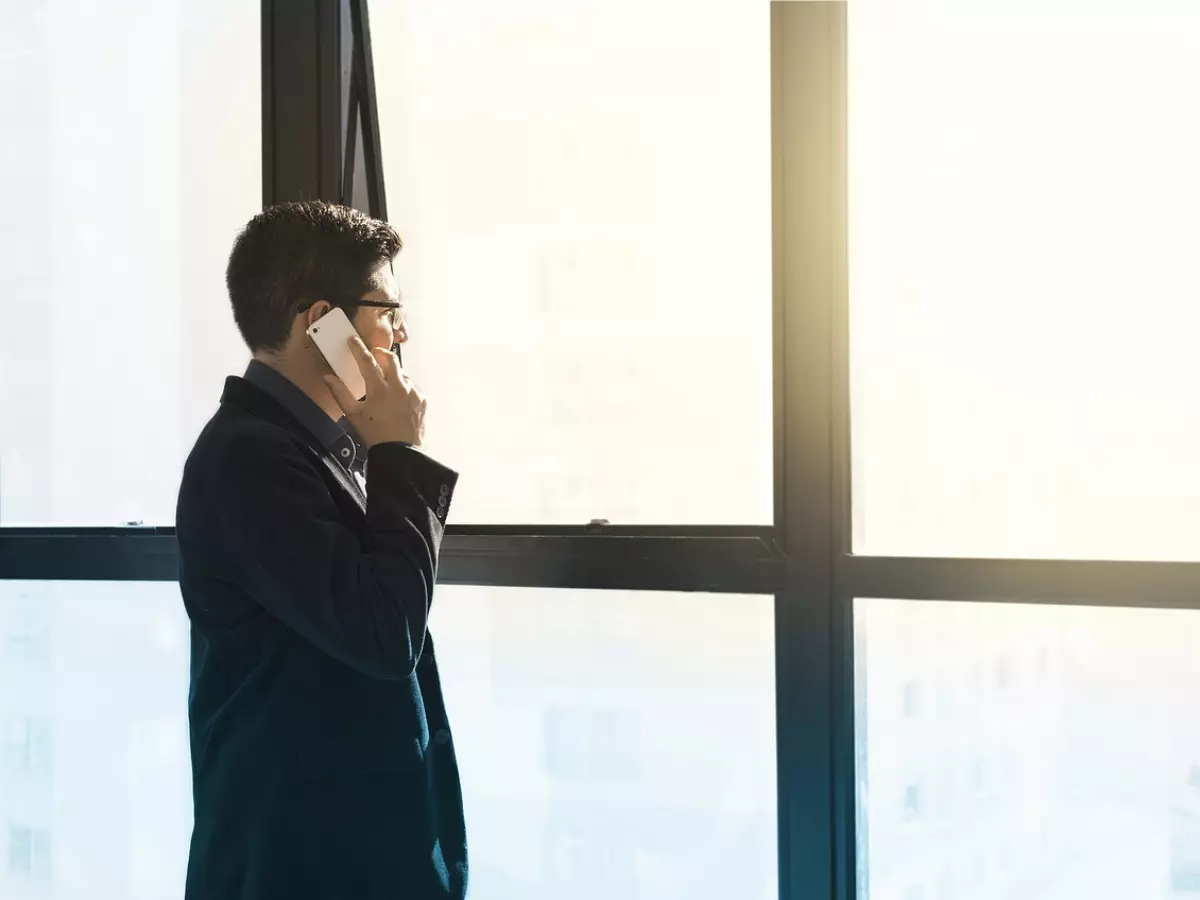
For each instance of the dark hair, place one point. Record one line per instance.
(294, 254)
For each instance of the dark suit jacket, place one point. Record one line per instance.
(322, 760)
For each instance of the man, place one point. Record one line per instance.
(309, 526)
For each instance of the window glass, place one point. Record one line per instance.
(584, 191)
(1059, 758)
(594, 739)
(132, 155)
(95, 783)
(594, 764)
(1023, 233)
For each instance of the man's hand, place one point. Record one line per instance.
(393, 410)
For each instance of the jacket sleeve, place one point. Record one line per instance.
(365, 602)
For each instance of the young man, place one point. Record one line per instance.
(309, 526)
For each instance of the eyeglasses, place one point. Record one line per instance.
(395, 319)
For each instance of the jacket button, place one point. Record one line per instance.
(442, 736)
(444, 491)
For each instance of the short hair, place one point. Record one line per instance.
(292, 255)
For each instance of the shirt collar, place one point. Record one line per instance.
(336, 437)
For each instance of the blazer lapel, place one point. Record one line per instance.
(345, 479)
(254, 400)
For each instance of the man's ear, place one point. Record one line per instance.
(315, 312)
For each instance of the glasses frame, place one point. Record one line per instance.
(397, 319)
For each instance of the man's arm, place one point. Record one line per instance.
(365, 603)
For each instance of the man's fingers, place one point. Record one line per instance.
(389, 363)
(341, 394)
(367, 364)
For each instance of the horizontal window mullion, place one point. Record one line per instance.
(105, 555)
(740, 563)
(1072, 582)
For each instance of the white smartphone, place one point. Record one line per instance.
(331, 333)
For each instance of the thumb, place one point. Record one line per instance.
(341, 394)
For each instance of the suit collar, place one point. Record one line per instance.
(314, 419)
(250, 398)
(336, 437)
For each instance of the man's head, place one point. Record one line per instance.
(294, 262)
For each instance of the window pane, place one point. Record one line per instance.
(585, 195)
(1023, 196)
(1052, 752)
(595, 764)
(95, 784)
(594, 738)
(132, 155)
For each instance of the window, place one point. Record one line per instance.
(912, 700)
(945, 885)
(28, 747)
(978, 775)
(29, 853)
(912, 801)
(1086, 778)
(1004, 673)
(96, 745)
(591, 744)
(585, 194)
(594, 738)
(25, 634)
(1023, 278)
(133, 162)
(945, 700)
